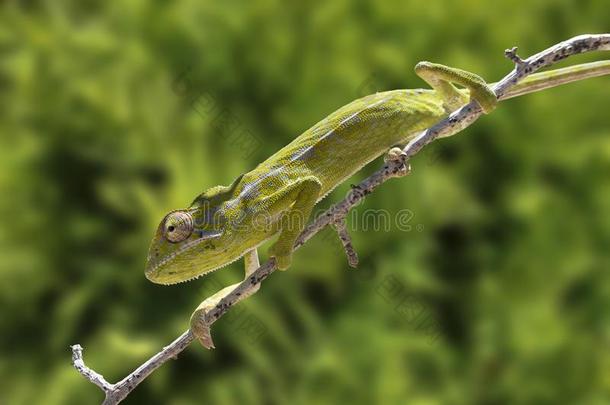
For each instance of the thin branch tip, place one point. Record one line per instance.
(77, 352)
(89, 374)
(512, 55)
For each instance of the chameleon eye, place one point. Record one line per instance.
(178, 226)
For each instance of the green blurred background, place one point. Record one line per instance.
(113, 113)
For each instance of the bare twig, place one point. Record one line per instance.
(79, 364)
(346, 241)
(512, 55)
(115, 393)
(394, 167)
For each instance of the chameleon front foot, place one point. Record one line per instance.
(199, 326)
(201, 329)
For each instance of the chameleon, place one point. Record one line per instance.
(225, 223)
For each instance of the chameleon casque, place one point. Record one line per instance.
(225, 223)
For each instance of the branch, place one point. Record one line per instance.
(346, 241)
(115, 393)
(395, 166)
(79, 364)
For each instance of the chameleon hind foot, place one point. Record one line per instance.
(441, 77)
(398, 155)
(394, 155)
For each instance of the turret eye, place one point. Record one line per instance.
(178, 226)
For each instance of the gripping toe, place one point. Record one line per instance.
(201, 329)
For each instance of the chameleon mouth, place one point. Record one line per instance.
(176, 266)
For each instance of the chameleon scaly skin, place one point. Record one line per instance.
(278, 195)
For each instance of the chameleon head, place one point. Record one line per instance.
(185, 247)
(197, 240)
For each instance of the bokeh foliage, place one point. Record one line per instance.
(509, 247)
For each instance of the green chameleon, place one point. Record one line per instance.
(225, 223)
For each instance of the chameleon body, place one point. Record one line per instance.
(306, 169)
(225, 223)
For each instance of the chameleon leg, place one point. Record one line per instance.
(251, 263)
(441, 77)
(300, 198)
(304, 194)
(199, 327)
